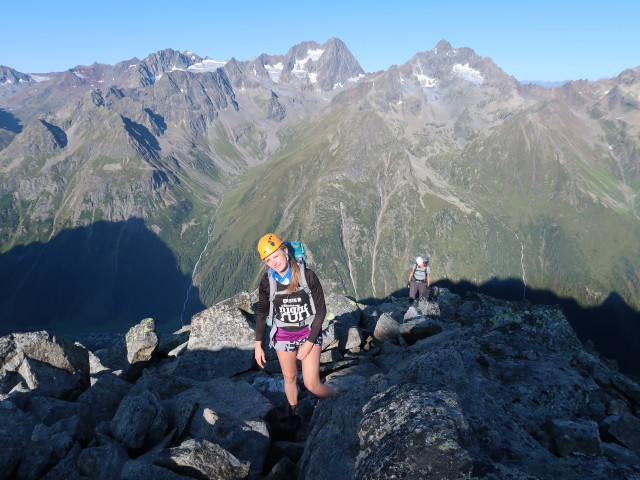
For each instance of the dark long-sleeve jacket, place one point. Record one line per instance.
(293, 307)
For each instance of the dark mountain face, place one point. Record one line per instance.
(445, 155)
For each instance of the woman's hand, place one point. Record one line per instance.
(304, 350)
(259, 355)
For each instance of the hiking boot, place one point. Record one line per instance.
(294, 412)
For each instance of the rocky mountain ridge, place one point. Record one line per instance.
(462, 387)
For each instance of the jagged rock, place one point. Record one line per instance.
(246, 439)
(140, 420)
(131, 354)
(343, 314)
(223, 396)
(625, 430)
(168, 343)
(66, 469)
(164, 385)
(52, 365)
(48, 380)
(220, 342)
(354, 340)
(448, 303)
(102, 463)
(371, 313)
(620, 454)
(47, 447)
(51, 410)
(16, 428)
(415, 330)
(387, 329)
(575, 437)
(202, 459)
(410, 432)
(103, 397)
(285, 469)
(139, 470)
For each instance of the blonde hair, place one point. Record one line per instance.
(295, 271)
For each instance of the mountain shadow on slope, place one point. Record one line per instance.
(613, 328)
(10, 126)
(9, 122)
(101, 278)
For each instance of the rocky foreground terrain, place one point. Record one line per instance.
(465, 387)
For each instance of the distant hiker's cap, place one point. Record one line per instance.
(419, 260)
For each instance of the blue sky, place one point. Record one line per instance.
(543, 40)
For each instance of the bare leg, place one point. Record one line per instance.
(289, 374)
(311, 374)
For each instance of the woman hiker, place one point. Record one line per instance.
(298, 312)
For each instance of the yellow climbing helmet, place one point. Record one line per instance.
(268, 244)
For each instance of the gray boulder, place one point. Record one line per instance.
(221, 341)
(387, 329)
(16, 428)
(104, 462)
(102, 399)
(247, 439)
(343, 315)
(571, 436)
(47, 447)
(53, 365)
(133, 353)
(223, 396)
(66, 469)
(624, 429)
(418, 329)
(140, 421)
(141, 470)
(202, 459)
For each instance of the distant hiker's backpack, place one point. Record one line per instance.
(297, 251)
(420, 274)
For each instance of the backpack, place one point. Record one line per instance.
(296, 249)
(421, 272)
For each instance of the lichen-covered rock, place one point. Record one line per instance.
(410, 432)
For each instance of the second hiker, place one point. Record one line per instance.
(419, 280)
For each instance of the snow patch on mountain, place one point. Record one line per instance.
(299, 69)
(467, 73)
(274, 71)
(39, 78)
(425, 81)
(207, 65)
